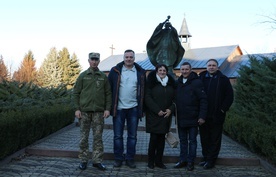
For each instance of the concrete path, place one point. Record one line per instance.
(56, 155)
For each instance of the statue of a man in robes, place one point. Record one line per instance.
(164, 46)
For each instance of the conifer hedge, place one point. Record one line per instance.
(29, 113)
(252, 117)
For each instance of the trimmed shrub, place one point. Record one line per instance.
(251, 120)
(19, 129)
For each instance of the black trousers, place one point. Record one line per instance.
(156, 148)
(210, 138)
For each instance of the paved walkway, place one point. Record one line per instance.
(56, 155)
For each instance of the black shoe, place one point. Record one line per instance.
(180, 164)
(83, 165)
(202, 163)
(130, 163)
(208, 165)
(190, 166)
(161, 165)
(118, 163)
(100, 166)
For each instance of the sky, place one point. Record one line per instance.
(84, 26)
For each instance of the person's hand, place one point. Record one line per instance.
(78, 114)
(201, 121)
(161, 113)
(106, 114)
(168, 113)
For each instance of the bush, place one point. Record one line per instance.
(29, 113)
(19, 129)
(251, 120)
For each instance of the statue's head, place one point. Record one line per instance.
(168, 25)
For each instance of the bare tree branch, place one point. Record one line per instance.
(269, 20)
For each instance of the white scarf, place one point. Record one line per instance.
(163, 81)
(184, 80)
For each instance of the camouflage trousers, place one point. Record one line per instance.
(95, 121)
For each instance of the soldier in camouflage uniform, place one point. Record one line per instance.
(92, 101)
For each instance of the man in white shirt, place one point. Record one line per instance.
(127, 81)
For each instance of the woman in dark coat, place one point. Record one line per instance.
(159, 107)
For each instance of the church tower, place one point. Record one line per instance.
(185, 35)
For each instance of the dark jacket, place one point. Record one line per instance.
(158, 98)
(114, 78)
(220, 95)
(92, 92)
(191, 101)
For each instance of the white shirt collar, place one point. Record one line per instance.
(126, 69)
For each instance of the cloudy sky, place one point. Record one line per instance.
(84, 26)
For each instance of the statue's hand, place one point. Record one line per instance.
(165, 22)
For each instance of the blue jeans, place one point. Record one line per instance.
(130, 115)
(188, 143)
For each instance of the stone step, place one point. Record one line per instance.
(65, 143)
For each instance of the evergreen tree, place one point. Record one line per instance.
(74, 70)
(62, 69)
(255, 89)
(252, 118)
(3, 70)
(40, 75)
(50, 74)
(27, 70)
(64, 65)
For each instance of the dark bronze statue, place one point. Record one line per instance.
(164, 46)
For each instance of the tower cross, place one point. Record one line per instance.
(112, 48)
